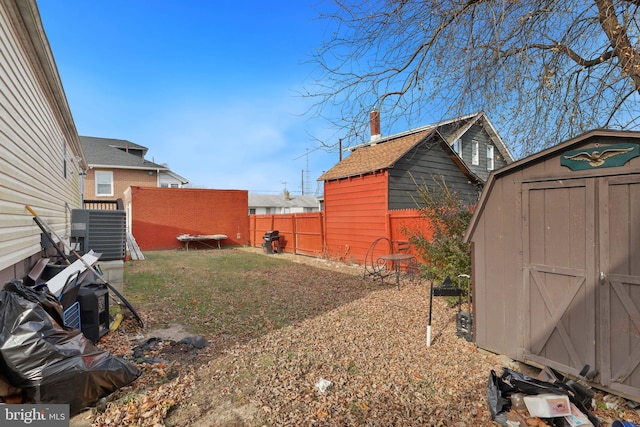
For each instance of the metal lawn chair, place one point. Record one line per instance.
(373, 265)
(411, 267)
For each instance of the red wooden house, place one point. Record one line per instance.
(384, 174)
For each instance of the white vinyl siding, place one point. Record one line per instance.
(104, 183)
(35, 140)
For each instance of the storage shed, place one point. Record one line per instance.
(556, 259)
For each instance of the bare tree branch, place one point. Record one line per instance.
(543, 70)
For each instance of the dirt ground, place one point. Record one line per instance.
(364, 363)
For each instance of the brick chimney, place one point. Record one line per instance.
(374, 118)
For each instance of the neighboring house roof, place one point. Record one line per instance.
(279, 201)
(112, 153)
(384, 152)
(379, 155)
(480, 119)
(175, 176)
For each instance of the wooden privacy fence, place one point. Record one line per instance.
(304, 233)
(301, 233)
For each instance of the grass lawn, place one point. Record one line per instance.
(234, 292)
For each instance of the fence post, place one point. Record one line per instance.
(294, 228)
(387, 226)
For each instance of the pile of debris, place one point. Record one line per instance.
(551, 399)
(45, 361)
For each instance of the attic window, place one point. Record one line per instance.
(457, 146)
(475, 153)
(490, 158)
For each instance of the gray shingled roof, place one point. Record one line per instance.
(107, 152)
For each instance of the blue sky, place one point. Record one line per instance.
(210, 87)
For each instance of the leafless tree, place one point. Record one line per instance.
(543, 70)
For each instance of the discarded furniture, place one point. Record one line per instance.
(271, 242)
(201, 238)
(57, 283)
(37, 270)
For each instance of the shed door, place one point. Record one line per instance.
(619, 211)
(559, 258)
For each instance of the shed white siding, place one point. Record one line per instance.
(40, 156)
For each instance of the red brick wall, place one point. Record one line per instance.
(159, 215)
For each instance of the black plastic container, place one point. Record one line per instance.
(94, 310)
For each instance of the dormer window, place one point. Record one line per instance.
(457, 147)
(475, 153)
(490, 158)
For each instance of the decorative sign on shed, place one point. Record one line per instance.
(599, 157)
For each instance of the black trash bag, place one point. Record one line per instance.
(54, 364)
(497, 392)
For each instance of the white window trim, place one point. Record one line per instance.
(475, 153)
(106, 175)
(490, 158)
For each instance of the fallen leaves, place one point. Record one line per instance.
(149, 409)
(372, 349)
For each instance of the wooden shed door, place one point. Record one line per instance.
(619, 337)
(559, 275)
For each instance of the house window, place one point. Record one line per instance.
(104, 183)
(457, 146)
(490, 158)
(475, 153)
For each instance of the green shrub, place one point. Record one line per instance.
(444, 252)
